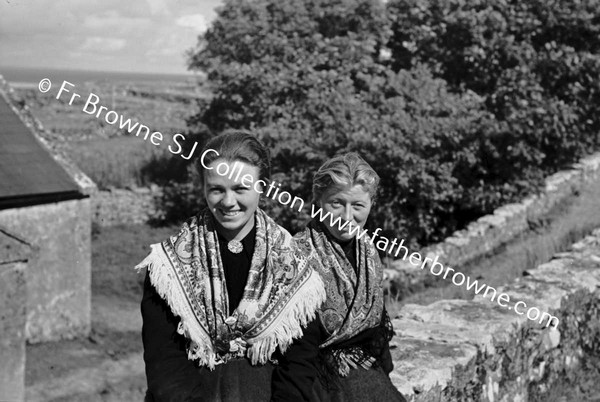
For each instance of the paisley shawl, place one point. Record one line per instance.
(354, 297)
(281, 294)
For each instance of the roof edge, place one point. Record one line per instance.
(83, 181)
(23, 201)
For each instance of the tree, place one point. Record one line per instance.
(535, 62)
(456, 121)
(311, 77)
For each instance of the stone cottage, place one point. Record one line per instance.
(45, 201)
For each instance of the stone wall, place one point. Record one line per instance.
(59, 276)
(491, 231)
(457, 350)
(129, 206)
(14, 254)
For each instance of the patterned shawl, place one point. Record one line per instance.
(354, 298)
(281, 294)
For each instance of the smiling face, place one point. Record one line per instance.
(351, 204)
(231, 203)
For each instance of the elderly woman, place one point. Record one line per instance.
(356, 330)
(227, 295)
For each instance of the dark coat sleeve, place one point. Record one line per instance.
(375, 341)
(296, 372)
(170, 375)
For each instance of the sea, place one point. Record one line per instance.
(20, 76)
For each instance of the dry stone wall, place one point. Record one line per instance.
(491, 231)
(459, 350)
(125, 206)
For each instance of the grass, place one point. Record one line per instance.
(563, 226)
(110, 156)
(117, 162)
(115, 251)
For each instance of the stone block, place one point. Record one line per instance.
(117, 206)
(459, 350)
(13, 315)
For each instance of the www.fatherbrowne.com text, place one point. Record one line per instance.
(393, 247)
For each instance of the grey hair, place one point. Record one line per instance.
(345, 171)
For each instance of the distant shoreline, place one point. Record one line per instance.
(27, 77)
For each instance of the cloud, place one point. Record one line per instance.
(193, 21)
(137, 35)
(113, 20)
(100, 44)
(158, 7)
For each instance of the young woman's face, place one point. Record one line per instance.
(351, 205)
(232, 203)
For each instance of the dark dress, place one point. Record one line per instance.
(361, 384)
(172, 377)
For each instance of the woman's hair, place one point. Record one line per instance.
(345, 171)
(237, 145)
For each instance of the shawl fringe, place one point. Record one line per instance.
(288, 326)
(167, 286)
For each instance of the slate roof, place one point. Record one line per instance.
(28, 173)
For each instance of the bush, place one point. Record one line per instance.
(536, 64)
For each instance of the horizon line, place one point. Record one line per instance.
(184, 73)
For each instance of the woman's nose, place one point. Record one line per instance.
(348, 213)
(228, 199)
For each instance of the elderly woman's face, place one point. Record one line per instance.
(351, 205)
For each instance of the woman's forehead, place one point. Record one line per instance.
(357, 192)
(230, 172)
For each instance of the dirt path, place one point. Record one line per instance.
(107, 366)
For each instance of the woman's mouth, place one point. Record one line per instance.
(230, 214)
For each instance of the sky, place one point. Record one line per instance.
(146, 36)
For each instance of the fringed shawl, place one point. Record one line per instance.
(354, 297)
(281, 294)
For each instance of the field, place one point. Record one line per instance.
(111, 156)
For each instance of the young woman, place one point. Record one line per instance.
(354, 350)
(227, 295)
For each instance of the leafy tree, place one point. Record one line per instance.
(535, 62)
(459, 106)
